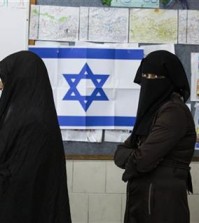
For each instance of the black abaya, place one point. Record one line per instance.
(162, 144)
(33, 184)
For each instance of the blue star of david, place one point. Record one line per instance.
(86, 73)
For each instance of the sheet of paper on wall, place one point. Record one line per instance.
(14, 30)
(188, 27)
(14, 3)
(54, 23)
(182, 26)
(94, 86)
(87, 44)
(196, 120)
(123, 45)
(189, 106)
(108, 24)
(194, 77)
(83, 23)
(116, 135)
(90, 135)
(150, 48)
(153, 26)
(136, 3)
(34, 22)
(51, 43)
(113, 45)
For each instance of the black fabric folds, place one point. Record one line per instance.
(33, 184)
(152, 94)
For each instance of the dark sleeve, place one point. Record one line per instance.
(122, 153)
(168, 129)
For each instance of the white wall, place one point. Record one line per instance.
(97, 193)
(14, 29)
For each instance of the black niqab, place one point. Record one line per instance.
(33, 184)
(155, 92)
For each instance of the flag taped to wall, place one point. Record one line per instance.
(93, 87)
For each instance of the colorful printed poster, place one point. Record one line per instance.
(93, 87)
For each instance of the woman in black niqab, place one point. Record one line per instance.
(170, 77)
(157, 155)
(33, 184)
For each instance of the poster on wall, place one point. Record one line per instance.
(54, 23)
(153, 26)
(98, 24)
(196, 120)
(188, 30)
(194, 76)
(91, 135)
(93, 87)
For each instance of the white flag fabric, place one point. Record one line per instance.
(93, 87)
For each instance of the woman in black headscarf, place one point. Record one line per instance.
(157, 154)
(33, 185)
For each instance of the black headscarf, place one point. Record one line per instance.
(33, 184)
(155, 92)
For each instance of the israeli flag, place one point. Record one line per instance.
(93, 87)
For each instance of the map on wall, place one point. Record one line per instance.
(136, 3)
(83, 24)
(194, 77)
(188, 27)
(79, 23)
(113, 25)
(108, 25)
(182, 26)
(153, 26)
(34, 22)
(54, 23)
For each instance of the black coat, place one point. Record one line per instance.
(157, 170)
(33, 184)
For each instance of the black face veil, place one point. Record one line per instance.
(171, 77)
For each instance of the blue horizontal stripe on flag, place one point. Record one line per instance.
(197, 145)
(89, 53)
(93, 121)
